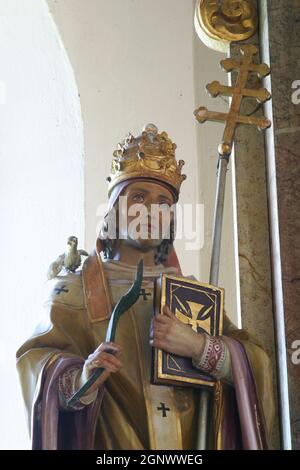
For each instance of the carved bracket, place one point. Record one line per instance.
(219, 22)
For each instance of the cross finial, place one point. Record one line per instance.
(233, 118)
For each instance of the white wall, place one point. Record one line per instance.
(136, 62)
(133, 61)
(209, 135)
(41, 182)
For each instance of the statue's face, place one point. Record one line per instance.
(149, 210)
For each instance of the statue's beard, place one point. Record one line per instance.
(142, 245)
(141, 242)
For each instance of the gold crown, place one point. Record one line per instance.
(149, 155)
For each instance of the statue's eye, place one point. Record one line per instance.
(138, 197)
(164, 206)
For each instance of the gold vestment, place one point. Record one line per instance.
(134, 414)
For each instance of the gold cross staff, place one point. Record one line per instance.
(233, 118)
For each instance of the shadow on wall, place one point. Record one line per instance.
(41, 182)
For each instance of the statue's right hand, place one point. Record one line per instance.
(110, 361)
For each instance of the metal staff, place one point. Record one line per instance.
(232, 119)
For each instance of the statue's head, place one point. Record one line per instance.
(143, 190)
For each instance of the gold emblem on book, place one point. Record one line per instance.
(197, 311)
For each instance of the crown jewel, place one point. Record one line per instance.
(149, 155)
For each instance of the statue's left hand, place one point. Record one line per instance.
(173, 336)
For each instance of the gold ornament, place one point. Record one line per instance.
(233, 118)
(149, 155)
(220, 22)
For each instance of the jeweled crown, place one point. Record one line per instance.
(149, 155)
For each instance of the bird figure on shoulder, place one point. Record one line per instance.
(70, 260)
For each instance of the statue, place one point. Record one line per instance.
(123, 409)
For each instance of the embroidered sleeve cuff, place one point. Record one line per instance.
(215, 359)
(67, 388)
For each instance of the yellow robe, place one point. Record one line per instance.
(131, 414)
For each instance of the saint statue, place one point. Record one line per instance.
(123, 409)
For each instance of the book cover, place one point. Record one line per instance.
(197, 304)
